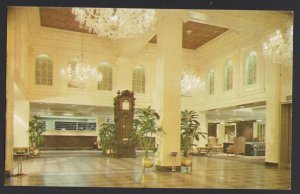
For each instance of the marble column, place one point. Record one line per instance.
(272, 113)
(168, 91)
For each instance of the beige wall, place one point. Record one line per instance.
(232, 46)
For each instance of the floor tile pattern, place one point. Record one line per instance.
(92, 169)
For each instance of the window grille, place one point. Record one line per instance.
(138, 80)
(43, 70)
(106, 71)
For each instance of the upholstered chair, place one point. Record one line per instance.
(238, 146)
(213, 143)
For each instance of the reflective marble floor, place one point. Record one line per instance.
(92, 169)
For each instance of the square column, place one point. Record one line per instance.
(10, 68)
(168, 90)
(272, 113)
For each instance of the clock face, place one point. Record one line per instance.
(125, 105)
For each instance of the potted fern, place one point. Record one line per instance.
(189, 133)
(145, 127)
(107, 136)
(36, 129)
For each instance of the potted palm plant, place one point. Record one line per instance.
(189, 133)
(145, 127)
(36, 128)
(107, 136)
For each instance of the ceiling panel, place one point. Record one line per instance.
(62, 18)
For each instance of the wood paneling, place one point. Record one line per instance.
(212, 129)
(245, 128)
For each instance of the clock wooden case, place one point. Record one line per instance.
(123, 115)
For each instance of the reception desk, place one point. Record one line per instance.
(69, 139)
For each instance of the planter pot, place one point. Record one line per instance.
(108, 151)
(186, 162)
(147, 163)
(35, 151)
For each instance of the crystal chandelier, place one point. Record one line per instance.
(115, 23)
(279, 48)
(189, 82)
(78, 73)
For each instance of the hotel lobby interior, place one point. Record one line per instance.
(76, 72)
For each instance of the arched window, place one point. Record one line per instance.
(211, 82)
(138, 80)
(106, 70)
(228, 76)
(250, 68)
(43, 70)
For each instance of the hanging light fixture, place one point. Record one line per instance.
(189, 82)
(279, 48)
(78, 73)
(115, 22)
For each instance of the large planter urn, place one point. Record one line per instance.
(35, 152)
(187, 162)
(108, 151)
(147, 163)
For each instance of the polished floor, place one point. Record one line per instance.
(92, 169)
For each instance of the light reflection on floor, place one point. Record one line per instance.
(92, 169)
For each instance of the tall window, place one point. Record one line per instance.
(228, 76)
(138, 80)
(211, 82)
(250, 68)
(43, 70)
(106, 83)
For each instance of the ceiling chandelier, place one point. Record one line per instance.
(78, 73)
(279, 48)
(189, 82)
(115, 23)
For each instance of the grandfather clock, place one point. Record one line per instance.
(124, 113)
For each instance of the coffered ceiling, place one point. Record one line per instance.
(62, 18)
